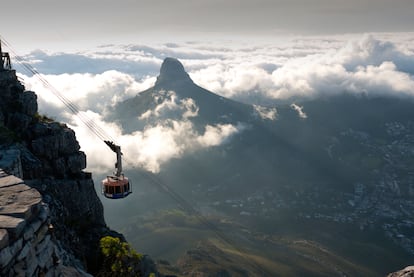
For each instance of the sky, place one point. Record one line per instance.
(97, 53)
(80, 23)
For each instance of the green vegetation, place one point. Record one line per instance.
(43, 118)
(285, 245)
(119, 258)
(175, 217)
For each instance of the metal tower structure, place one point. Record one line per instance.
(5, 60)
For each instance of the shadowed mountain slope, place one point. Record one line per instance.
(335, 171)
(212, 108)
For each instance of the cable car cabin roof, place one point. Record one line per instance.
(116, 187)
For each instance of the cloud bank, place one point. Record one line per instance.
(151, 147)
(256, 71)
(363, 65)
(260, 73)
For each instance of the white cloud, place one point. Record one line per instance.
(160, 143)
(216, 135)
(325, 67)
(300, 111)
(151, 147)
(265, 112)
(190, 107)
(169, 102)
(87, 91)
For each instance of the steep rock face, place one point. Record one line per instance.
(56, 146)
(48, 159)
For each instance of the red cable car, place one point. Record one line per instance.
(116, 186)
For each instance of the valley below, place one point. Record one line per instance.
(283, 229)
(306, 189)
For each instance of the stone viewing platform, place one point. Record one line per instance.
(27, 244)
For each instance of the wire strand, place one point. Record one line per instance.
(72, 107)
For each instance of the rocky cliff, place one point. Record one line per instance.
(52, 221)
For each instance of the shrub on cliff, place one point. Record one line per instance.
(119, 258)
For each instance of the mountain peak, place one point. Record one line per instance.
(172, 70)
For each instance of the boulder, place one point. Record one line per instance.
(58, 142)
(4, 238)
(67, 142)
(76, 162)
(28, 102)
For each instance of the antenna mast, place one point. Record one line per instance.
(5, 60)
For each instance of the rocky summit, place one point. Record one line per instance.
(172, 71)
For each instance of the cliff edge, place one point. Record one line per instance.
(51, 214)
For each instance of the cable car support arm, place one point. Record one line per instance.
(117, 150)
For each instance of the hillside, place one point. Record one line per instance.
(328, 180)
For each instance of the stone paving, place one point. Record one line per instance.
(27, 246)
